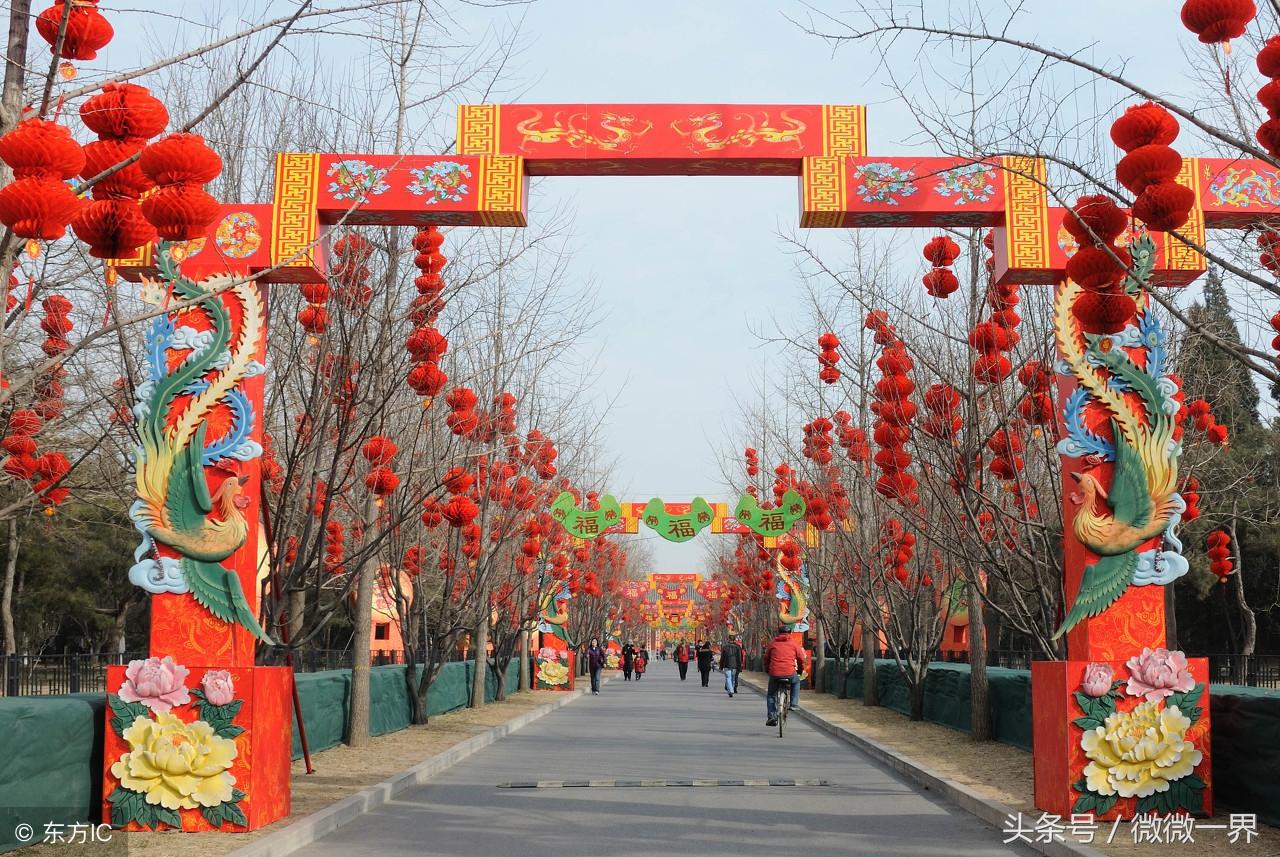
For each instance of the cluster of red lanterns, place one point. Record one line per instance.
(996, 337)
(334, 546)
(816, 445)
(180, 165)
(1150, 166)
(381, 480)
(791, 555)
(1190, 492)
(1219, 552)
(1006, 450)
(897, 546)
(1268, 133)
(944, 421)
(753, 462)
(351, 269)
(426, 344)
(1099, 266)
(124, 116)
(852, 439)
(38, 204)
(1205, 421)
(56, 325)
(541, 453)
(1037, 406)
(941, 252)
(895, 413)
(22, 463)
(828, 357)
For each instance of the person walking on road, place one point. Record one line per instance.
(783, 661)
(705, 659)
(642, 661)
(682, 658)
(628, 661)
(595, 663)
(730, 664)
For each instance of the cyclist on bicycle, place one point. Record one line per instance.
(783, 661)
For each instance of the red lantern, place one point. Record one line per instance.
(1104, 311)
(382, 481)
(314, 319)
(427, 380)
(37, 148)
(87, 30)
(940, 282)
(1165, 206)
(1144, 124)
(941, 251)
(38, 208)
(180, 212)
(1096, 219)
(1269, 58)
(1148, 165)
(1094, 267)
(180, 164)
(379, 449)
(124, 111)
(113, 228)
(1218, 20)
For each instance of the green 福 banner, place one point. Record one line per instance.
(679, 527)
(585, 523)
(771, 522)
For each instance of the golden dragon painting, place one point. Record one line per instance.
(609, 132)
(705, 132)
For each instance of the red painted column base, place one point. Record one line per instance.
(261, 765)
(1059, 760)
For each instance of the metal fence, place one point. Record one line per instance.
(1247, 670)
(52, 674)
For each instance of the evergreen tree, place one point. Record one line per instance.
(1210, 374)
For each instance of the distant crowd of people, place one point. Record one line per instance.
(784, 662)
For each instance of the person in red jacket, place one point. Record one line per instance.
(682, 659)
(783, 661)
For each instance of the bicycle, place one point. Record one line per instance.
(782, 701)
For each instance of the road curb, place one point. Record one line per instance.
(306, 830)
(989, 810)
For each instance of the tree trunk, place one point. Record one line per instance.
(482, 661)
(820, 657)
(1249, 631)
(917, 700)
(6, 596)
(500, 668)
(358, 710)
(869, 695)
(979, 709)
(523, 654)
(118, 626)
(297, 612)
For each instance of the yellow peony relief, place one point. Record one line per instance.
(176, 765)
(1140, 752)
(553, 673)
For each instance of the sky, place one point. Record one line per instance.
(687, 268)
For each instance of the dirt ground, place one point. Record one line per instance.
(339, 772)
(1004, 773)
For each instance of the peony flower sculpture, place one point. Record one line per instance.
(1158, 673)
(1135, 736)
(157, 683)
(1097, 680)
(176, 765)
(172, 764)
(1140, 752)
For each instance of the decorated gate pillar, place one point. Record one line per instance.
(198, 737)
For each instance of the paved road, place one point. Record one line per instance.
(664, 729)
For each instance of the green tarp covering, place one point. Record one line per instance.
(1245, 723)
(50, 761)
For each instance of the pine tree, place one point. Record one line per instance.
(1210, 374)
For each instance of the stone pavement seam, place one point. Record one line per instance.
(989, 810)
(306, 830)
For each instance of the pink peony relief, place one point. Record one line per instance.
(218, 687)
(1097, 679)
(1158, 673)
(157, 683)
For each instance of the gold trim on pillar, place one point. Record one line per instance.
(823, 191)
(478, 129)
(502, 190)
(295, 226)
(1026, 215)
(844, 130)
(1179, 256)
